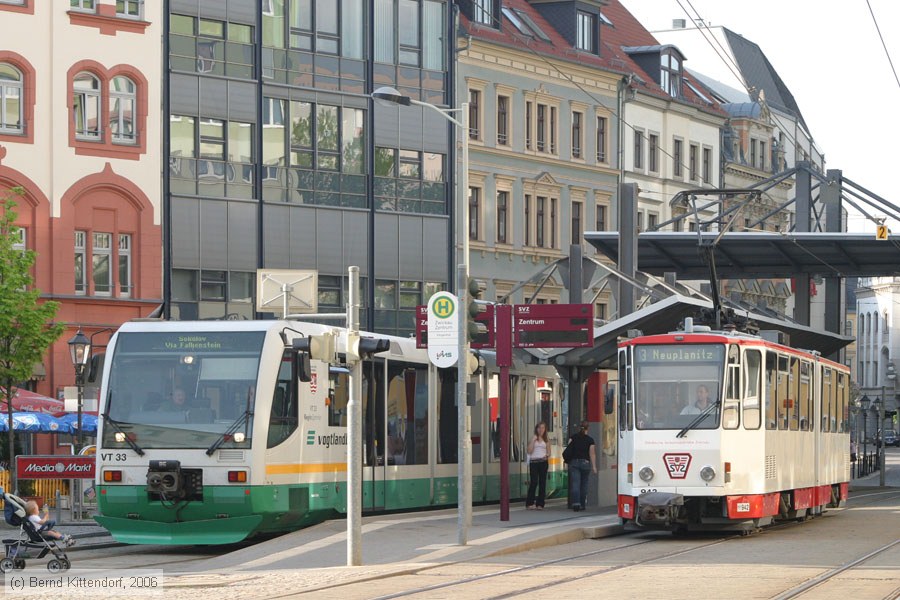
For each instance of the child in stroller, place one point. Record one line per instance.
(32, 536)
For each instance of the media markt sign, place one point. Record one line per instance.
(443, 329)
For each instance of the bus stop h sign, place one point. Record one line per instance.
(443, 329)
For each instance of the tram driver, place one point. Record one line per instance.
(700, 404)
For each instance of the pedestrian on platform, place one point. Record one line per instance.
(581, 455)
(538, 461)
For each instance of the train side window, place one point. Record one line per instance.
(407, 414)
(623, 358)
(804, 395)
(545, 395)
(771, 391)
(284, 415)
(826, 399)
(447, 416)
(794, 394)
(731, 416)
(752, 391)
(784, 395)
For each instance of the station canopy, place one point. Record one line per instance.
(665, 316)
(759, 254)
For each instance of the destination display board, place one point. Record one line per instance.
(422, 326)
(553, 325)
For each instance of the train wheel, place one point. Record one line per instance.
(7, 565)
(54, 566)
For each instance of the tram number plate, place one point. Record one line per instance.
(743, 507)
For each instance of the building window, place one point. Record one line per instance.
(474, 212)
(601, 139)
(586, 32)
(131, 9)
(122, 104)
(707, 165)
(502, 217)
(762, 155)
(653, 156)
(398, 25)
(200, 45)
(692, 161)
(553, 123)
(670, 73)
(753, 153)
(474, 114)
(86, 106)
(485, 12)
(542, 127)
(11, 96)
(553, 222)
(677, 158)
(101, 263)
(577, 141)
(15, 2)
(503, 120)
(125, 284)
(529, 136)
(540, 214)
(19, 240)
(652, 221)
(80, 257)
(527, 206)
(601, 217)
(576, 222)
(86, 5)
(638, 150)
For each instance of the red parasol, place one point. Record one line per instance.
(25, 401)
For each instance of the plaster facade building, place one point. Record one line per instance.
(878, 345)
(79, 131)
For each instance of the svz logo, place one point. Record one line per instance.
(677, 465)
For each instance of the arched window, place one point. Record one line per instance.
(122, 110)
(10, 99)
(86, 106)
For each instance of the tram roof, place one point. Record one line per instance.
(759, 254)
(664, 316)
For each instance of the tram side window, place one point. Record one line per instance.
(752, 392)
(731, 411)
(771, 391)
(623, 389)
(827, 393)
(794, 403)
(284, 416)
(784, 395)
(407, 414)
(546, 405)
(446, 415)
(843, 403)
(804, 396)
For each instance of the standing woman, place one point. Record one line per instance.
(582, 458)
(538, 460)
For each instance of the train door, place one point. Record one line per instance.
(374, 410)
(523, 422)
(478, 429)
(626, 417)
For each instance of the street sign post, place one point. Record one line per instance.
(443, 329)
(553, 325)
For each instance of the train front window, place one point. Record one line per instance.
(182, 389)
(674, 385)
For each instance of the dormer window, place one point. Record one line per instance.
(486, 12)
(586, 32)
(670, 72)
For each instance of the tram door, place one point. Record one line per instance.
(523, 422)
(373, 397)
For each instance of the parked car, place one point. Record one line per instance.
(890, 438)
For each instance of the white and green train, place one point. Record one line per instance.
(209, 436)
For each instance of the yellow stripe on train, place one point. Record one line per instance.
(292, 469)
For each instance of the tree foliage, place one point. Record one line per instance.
(26, 324)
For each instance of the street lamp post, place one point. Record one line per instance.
(80, 351)
(883, 448)
(390, 96)
(864, 403)
(854, 435)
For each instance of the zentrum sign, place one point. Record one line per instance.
(56, 467)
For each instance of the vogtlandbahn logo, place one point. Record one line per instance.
(311, 437)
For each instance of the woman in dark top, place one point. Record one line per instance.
(582, 461)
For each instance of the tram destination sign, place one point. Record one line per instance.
(553, 325)
(422, 326)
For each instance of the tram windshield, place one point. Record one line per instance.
(674, 385)
(181, 389)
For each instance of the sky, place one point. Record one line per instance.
(829, 55)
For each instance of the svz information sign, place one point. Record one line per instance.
(553, 325)
(422, 326)
(483, 340)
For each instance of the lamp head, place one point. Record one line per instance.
(80, 349)
(864, 402)
(388, 96)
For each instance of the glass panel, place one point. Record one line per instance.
(352, 37)
(409, 23)
(181, 137)
(327, 127)
(240, 142)
(209, 28)
(385, 294)
(385, 162)
(327, 16)
(433, 36)
(240, 33)
(301, 124)
(274, 132)
(273, 23)
(384, 31)
(181, 24)
(240, 288)
(301, 15)
(353, 140)
(101, 273)
(185, 285)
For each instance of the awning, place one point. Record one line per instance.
(26, 401)
(756, 255)
(665, 316)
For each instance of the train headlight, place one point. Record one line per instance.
(707, 473)
(120, 437)
(646, 473)
(239, 437)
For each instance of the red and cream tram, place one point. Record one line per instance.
(723, 429)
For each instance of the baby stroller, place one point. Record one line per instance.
(30, 539)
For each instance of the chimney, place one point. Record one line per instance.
(679, 23)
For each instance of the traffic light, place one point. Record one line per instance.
(369, 346)
(474, 309)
